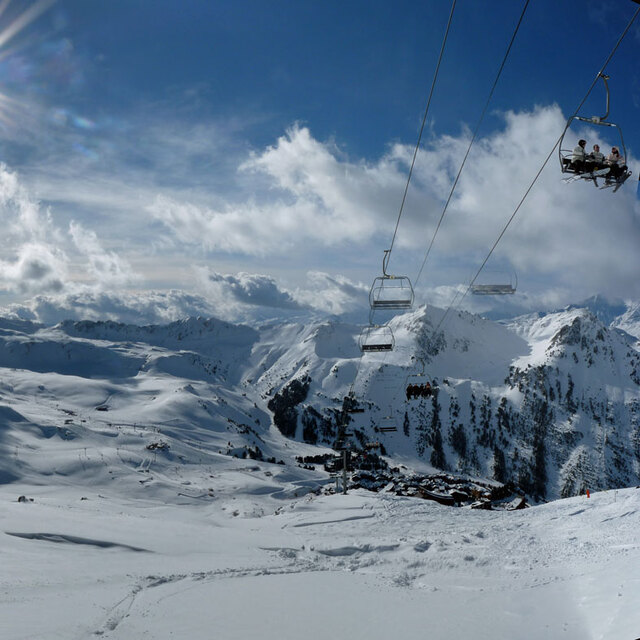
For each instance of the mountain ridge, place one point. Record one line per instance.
(548, 402)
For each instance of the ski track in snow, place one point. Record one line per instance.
(581, 550)
(126, 538)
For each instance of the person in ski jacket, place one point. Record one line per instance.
(616, 162)
(579, 156)
(597, 158)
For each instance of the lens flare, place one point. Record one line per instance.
(23, 20)
(15, 67)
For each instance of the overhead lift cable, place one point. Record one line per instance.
(424, 120)
(342, 427)
(473, 138)
(535, 179)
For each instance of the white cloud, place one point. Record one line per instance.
(243, 297)
(565, 236)
(333, 294)
(253, 297)
(149, 307)
(35, 268)
(107, 268)
(302, 205)
(31, 260)
(248, 289)
(36, 257)
(22, 217)
(314, 197)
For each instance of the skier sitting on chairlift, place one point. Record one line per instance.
(579, 157)
(616, 162)
(596, 158)
(415, 391)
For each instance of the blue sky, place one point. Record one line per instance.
(224, 148)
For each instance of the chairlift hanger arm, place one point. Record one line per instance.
(606, 86)
(385, 262)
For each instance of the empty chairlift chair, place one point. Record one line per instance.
(390, 292)
(501, 288)
(376, 338)
(387, 425)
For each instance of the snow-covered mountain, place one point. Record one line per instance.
(550, 403)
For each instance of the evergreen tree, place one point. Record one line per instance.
(458, 440)
(499, 465)
(472, 411)
(437, 455)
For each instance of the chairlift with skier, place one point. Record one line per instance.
(417, 386)
(581, 165)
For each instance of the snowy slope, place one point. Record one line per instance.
(162, 494)
(629, 321)
(549, 403)
(91, 563)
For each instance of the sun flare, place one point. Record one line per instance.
(10, 107)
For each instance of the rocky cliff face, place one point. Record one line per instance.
(550, 403)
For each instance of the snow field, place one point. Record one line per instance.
(362, 566)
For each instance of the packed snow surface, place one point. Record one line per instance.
(131, 507)
(250, 562)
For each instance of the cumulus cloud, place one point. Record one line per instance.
(31, 260)
(301, 208)
(250, 289)
(107, 267)
(36, 257)
(335, 295)
(312, 196)
(22, 217)
(252, 297)
(573, 235)
(35, 268)
(141, 308)
(565, 236)
(242, 297)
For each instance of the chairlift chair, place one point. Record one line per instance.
(389, 291)
(496, 289)
(592, 174)
(419, 382)
(376, 338)
(350, 404)
(387, 425)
